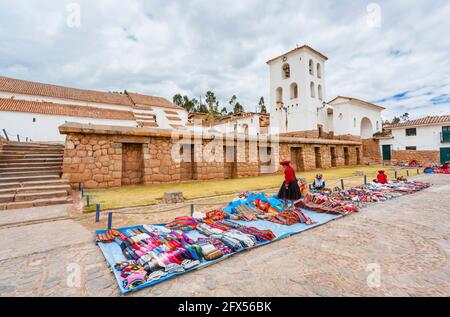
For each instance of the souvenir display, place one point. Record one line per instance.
(150, 254)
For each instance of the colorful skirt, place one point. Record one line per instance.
(291, 193)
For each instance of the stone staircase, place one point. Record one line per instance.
(30, 175)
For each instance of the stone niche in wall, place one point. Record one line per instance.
(132, 164)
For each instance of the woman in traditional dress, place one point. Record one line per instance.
(289, 189)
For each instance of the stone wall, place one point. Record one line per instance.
(1, 142)
(303, 156)
(106, 156)
(371, 150)
(423, 157)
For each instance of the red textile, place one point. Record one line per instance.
(445, 166)
(382, 178)
(289, 175)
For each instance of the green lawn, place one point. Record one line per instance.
(147, 195)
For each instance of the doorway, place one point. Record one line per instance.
(387, 152)
(297, 159)
(318, 157)
(358, 156)
(229, 162)
(445, 154)
(346, 157)
(132, 164)
(333, 156)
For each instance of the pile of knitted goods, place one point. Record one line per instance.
(326, 204)
(408, 187)
(234, 235)
(183, 223)
(291, 216)
(153, 252)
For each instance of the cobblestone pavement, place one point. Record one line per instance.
(406, 240)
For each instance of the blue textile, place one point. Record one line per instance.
(113, 253)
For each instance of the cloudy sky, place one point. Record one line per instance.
(394, 53)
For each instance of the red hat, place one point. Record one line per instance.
(380, 171)
(286, 162)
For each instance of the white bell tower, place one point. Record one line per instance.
(297, 91)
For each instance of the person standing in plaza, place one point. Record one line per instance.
(289, 189)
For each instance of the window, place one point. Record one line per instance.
(311, 67)
(279, 97)
(319, 71)
(34, 119)
(294, 91)
(313, 90)
(445, 134)
(354, 122)
(411, 132)
(319, 92)
(286, 73)
(411, 148)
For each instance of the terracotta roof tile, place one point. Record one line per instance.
(422, 121)
(63, 109)
(139, 100)
(173, 118)
(46, 90)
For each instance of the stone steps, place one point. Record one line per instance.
(31, 160)
(28, 184)
(36, 203)
(30, 175)
(33, 189)
(50, 168)
(29, 156)
(24, 173)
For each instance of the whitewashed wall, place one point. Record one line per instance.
(302, 111)
(46, 126)
(428, 138)
(347, 118)
(252, 123)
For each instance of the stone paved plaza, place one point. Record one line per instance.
(406, 241)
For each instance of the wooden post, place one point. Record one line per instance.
(109, 220)
(395, 174)
(407, 173)
(97, 213)
(365, 179)
(342, 184)
(87, 200)
(192, 209)
(18, 138)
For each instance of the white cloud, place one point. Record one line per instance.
(166, 47)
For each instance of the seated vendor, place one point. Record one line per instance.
(318, 182)
(382, 177)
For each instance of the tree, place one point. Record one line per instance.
(396, 120)
(178, 100)
(235, 105)
(224, 112)
(262, 105)
(405, 116)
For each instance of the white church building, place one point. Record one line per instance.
(298, 99)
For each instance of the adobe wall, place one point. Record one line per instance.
(2, 141)
(371, 150)
(423, 157)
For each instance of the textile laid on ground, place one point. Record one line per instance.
(145, 255)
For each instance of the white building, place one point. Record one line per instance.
(429, 134)
(298, 94)
(351, 116)
(249, 123)
(35, 110)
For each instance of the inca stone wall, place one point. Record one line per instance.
(1, 143)
(371, 150)
(106, 156)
